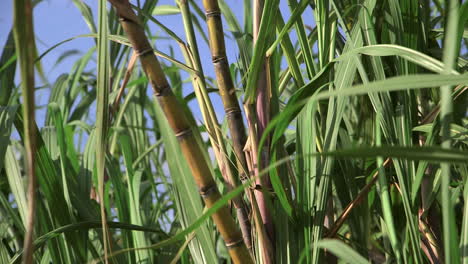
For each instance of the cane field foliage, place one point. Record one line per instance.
(343, 137)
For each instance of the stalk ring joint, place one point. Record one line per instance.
(243, 177)
(234, 244)
(162, 90)
(213, 13)
(232, 112)
(208, 191)
(144, 52)
(123, 19)
(184, 133)
(219, 59)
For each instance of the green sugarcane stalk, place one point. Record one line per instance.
(179, 123)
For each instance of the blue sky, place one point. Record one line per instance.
(54, 21)
(57, 20)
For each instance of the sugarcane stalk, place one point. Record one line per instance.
(232, 109)
(213, 127)
(251, 151)
(181, 127)
(25, 47)
(225, 84)
(231, 105)
(263, 117)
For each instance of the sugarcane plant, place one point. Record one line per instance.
(182, 129)
(340, 136)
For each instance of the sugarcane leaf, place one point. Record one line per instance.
(7, 69)
(187, 197)
(83, 226)
(266, 28)
(102, 116)
(411, 55)
(295, 105)
(164, 10)
(87, 14)
(122, 40)
(7, 116)
(342, 251)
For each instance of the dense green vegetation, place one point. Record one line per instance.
(343, 136)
